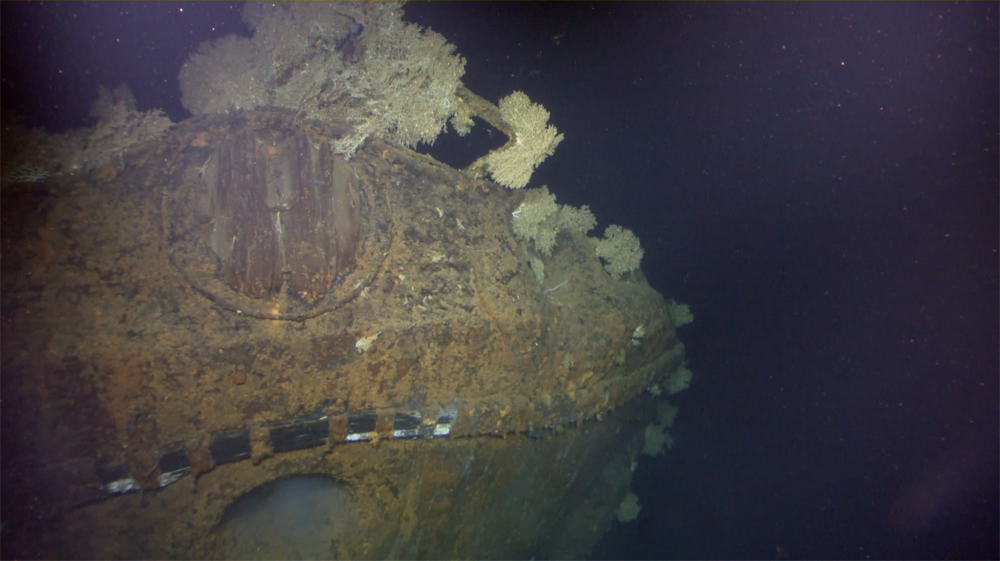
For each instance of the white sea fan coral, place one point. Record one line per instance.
(532, 217)
(409, 81)
(535, 141)
(680, 314)
(391, 80)
(620, 249)
(119, 127)
(629, 508)
(225, 74)
(539, 219)
(678, 381)
(576, 219)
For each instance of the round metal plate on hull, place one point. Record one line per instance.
(272, 224)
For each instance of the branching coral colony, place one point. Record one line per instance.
(620, 249)
(357, 62)
(397, 82)
(538, 220)
(360, 65)
(534, 140)
(31, 156)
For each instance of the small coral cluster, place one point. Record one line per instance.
(620, 249)
(629, 508)
(539, 219)
(34, 155)
(119, 127)
(656, 434)
(678, 381)
(27, 173)
(680, 314)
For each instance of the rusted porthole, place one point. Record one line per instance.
(271, 223)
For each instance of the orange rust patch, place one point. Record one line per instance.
(107, 173)
(200, 140)
(403, 367)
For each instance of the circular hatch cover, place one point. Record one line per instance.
(270, 223)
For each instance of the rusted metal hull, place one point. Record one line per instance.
(177, 334)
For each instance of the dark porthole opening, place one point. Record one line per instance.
(298, 517)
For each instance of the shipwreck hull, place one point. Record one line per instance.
(238, 305)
